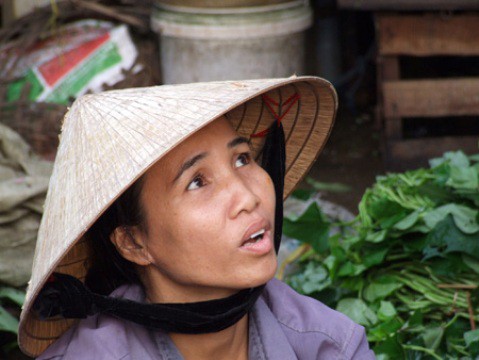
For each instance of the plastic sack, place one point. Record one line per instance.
(23, 185)
(77, 58)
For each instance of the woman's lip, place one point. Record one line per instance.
(254, 228)
(260, 247)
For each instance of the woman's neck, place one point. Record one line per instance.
(231, 343)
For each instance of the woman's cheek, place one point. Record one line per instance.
(267, 182)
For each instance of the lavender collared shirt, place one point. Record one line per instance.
(283, 325)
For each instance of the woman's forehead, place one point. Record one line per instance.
(218, 133)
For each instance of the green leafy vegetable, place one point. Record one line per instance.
(407, 268)
(357, 310)
(11, 300)
(333, 187)
(311, 227)
(14, 295)
(7, 321)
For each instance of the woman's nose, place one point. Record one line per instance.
(243, 195)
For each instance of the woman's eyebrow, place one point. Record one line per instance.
(237, 141)
(189, 163)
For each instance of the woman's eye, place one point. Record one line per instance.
(243, 159)
(196, 183)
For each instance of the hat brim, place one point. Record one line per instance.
(111, 139)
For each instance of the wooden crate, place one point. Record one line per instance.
(408, 5)
(423, 36)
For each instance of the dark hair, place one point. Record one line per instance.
(108, 269)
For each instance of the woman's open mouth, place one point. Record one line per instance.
(258, 242)
(254, 238)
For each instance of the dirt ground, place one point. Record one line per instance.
(351, 157)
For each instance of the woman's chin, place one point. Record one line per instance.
(260, 275)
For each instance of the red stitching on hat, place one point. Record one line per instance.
(268, 101)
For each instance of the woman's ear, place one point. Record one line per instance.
(130, 243)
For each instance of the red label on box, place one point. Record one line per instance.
(56, 68)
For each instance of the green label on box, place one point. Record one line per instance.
(75, 81)
(15, 89)
(72, 84)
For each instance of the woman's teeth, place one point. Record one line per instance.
(257, 235)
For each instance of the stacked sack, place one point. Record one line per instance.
(23, 184)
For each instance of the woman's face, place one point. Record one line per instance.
(209, 219)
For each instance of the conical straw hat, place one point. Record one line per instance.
(110, 139)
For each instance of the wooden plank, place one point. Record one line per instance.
(387, 70)
(409, 4)
(427, 148)
(431, 98)
(427, 35)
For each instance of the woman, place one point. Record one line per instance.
(160, 229)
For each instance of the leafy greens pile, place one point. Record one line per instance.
(407, 268)
(11, 300)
